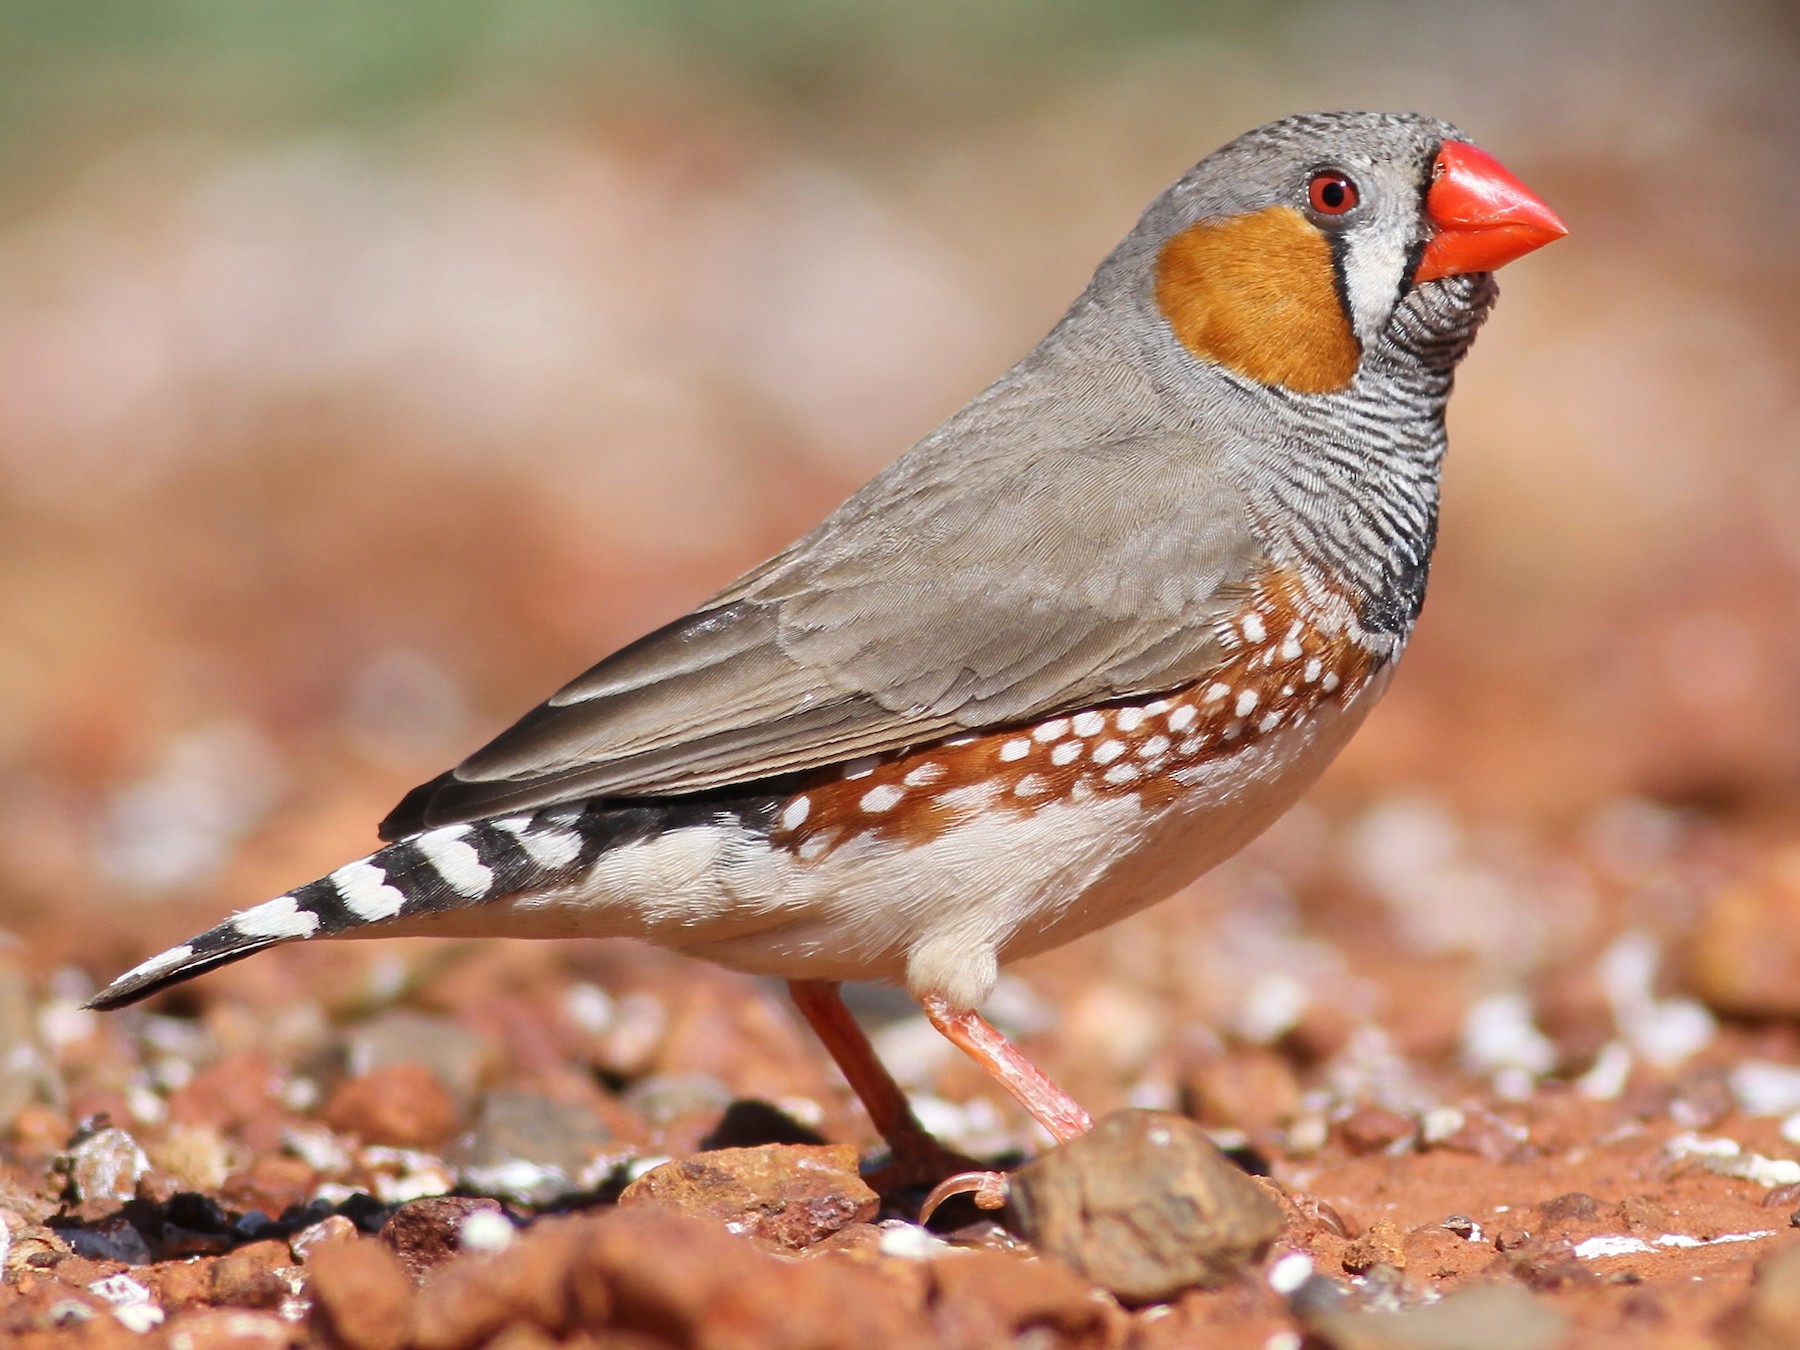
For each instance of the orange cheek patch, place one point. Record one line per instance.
(1255, 295)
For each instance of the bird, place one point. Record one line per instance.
(1077, 645)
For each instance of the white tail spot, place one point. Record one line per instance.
(1254, 630)
(1215, 692)
(1066, 753)
(364, 889)
(1107, 751)
(1183, 717)
(1246, 700)
(924, 775)
(794, 814)
(1129, 719)
(1120, 774)
(1031, 785)
(1051, 730)
(1015, 750)
(1313, 667)
(1156, 745)
(281, 917)
(455, 860)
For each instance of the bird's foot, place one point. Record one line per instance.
(988, 1189)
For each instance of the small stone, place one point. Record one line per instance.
(1249, 1089)
(332, 1228)
(459, 1059)
(260, 1275)
(1483, 1134)
(229, 1329)
(1770, 1318)
(467, 1302)
(396, 1105)
(555, 1141)
(194, 1155)
(363, 1297)
(1145, 1206)
(1745, 959)
(993, 1298)
(425, 1233)
(1483, 1317)
(791, 1194)
(1374, 1129)
(272, 1184)
(1380, 1246)
(104, 1167)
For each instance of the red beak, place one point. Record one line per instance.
(1481, 216)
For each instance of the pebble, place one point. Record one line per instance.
(1145, 1206)
(555, 1141)
(334, 1228)
(459, 1059)
(229, 1329)
(105, 1167)
(466, 1304)
(790, 1194)
(397, 1105)
(362, 1296)
(426, 1233)
(1745, 958)
(1482, 1317)
(260, 1275)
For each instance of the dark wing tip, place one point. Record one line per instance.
(413, 814)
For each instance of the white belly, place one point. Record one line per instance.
(940, 915)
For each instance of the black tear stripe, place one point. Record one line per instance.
(536, 851)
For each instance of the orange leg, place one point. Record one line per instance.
(823, 1007)
(1048, 1104)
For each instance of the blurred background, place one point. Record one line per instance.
(368, 369)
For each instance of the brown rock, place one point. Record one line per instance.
(1371, 1129)
(682, 1281)
(332, 1228)
(271, 1185)
(239, 1095)
(1380, 1246)
(400, 1105)
(363, 1297)
(1144, 1205)
(179, 1284)
(791, 1194)
(1745, 959)
(1770, 1318)
(1251, 1089)
(667, 1275)
(466, 1302)
(260, 1275)
(426, 1232)
(994, 1298)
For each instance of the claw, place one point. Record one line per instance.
(989, 1189)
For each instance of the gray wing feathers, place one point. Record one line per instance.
(924, 606)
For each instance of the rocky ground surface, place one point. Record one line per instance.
(519, 1145)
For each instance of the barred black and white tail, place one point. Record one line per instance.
(451, 868)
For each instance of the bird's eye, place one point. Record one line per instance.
(1332, 194)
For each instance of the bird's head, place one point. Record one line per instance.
(1285, 255)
